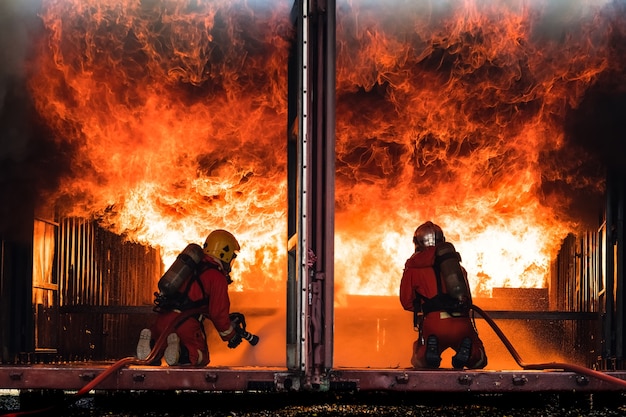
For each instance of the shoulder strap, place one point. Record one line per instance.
(200, 268)
(181, 300)
(437, 269)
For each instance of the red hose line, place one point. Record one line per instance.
(543, 366)
(159, 346)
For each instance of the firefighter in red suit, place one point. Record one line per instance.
(440, 324)
(187, 345)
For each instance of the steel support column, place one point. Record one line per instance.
(615, 287)
(616, 252)
(311, 236)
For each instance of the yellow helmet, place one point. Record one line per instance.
(221, 245)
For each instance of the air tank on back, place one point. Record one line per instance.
(181, 269)
(452, 275)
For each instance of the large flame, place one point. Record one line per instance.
(453, 112)
(176, 113)
(174, 118)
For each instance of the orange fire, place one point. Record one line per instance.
(176, 116)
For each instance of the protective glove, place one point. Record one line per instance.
(235, 340)
(237, 320)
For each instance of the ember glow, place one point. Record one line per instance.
(174, 114)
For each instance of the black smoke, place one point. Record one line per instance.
(30, 162)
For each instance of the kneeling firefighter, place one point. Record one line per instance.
(434, 287)
(197, 280)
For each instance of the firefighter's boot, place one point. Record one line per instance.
(460, 360)
(144, 346)
(172, 351)
(433, 359)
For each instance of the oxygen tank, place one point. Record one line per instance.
(182, 268)
(451, 273)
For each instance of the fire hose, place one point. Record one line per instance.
(544, 366)
(238, 322)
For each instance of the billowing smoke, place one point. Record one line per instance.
(15, 134)
(17, 20)
(29, 162)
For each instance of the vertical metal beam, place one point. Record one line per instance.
(297, 180)
(304, 185)
(612, 337)
(5, 310)
(618, 245)
(310, 283)
(329, 189)
(17, 333)
(609, 302)
(320, 121)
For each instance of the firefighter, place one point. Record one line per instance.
(207, 290)
(441, 321)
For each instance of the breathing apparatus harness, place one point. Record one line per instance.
(456, 300)
(179, 300)
(184, 271)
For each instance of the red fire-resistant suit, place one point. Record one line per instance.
(419, 278)
(191, 331)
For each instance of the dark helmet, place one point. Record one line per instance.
(427, 234)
